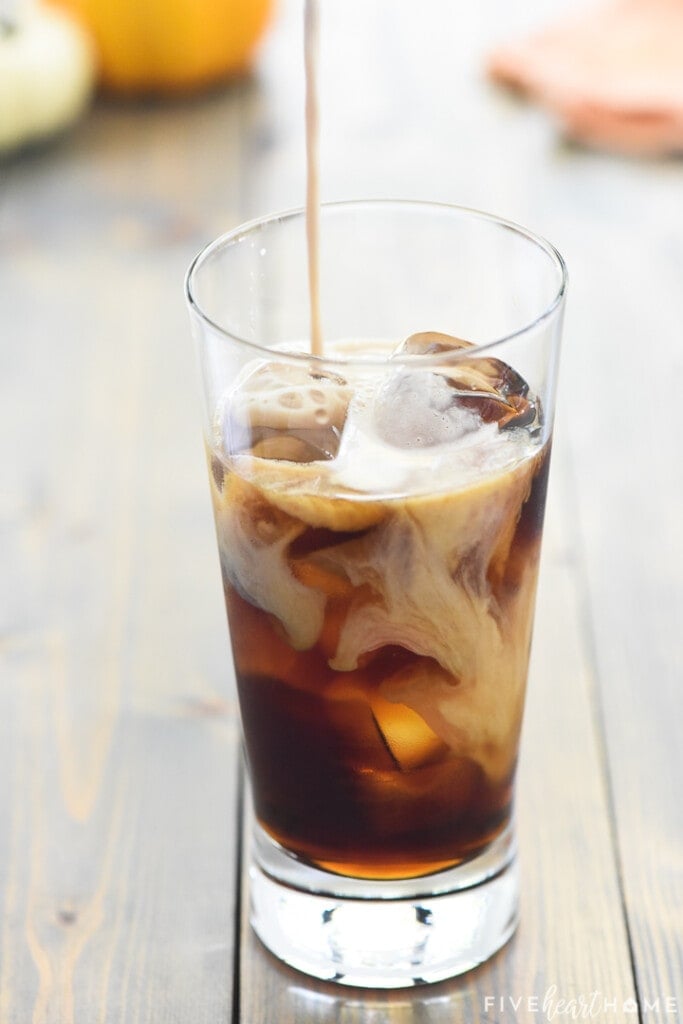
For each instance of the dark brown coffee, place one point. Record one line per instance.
(380, 633)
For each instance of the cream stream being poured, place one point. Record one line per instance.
(311, 32)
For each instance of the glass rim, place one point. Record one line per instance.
(238, 233)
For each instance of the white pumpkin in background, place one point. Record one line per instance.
(47, 71)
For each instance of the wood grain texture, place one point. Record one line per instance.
(118, 730)
(117, 721)
(629, 475)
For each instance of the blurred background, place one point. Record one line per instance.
(111, 615)
(98, 222)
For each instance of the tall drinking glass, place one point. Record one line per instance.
(379, 513)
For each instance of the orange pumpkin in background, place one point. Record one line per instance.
(171, 46)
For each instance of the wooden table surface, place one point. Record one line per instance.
(121, 897)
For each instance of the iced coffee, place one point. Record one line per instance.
(379, 531)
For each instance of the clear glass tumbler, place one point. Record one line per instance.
(379, 512)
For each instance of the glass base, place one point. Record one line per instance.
(396, 934)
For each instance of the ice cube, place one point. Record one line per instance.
(430, 343)
(419, 410)
(406, 735)
(286, 412)
(487, 386)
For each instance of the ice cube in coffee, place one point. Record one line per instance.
(379, 536)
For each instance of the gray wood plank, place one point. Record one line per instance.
(629, 506)
(117, 720)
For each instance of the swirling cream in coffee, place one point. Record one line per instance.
(379, 530)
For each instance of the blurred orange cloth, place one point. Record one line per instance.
(613, 76)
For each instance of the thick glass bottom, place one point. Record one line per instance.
(384, 934)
